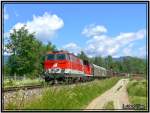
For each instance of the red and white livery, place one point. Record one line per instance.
(62, 64)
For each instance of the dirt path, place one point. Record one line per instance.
(117, 94)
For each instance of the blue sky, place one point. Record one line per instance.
(97, 29)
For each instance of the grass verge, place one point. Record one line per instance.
(68, 97)
(16, 83)
(137, 91)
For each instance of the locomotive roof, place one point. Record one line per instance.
(60, 52)
(99, 67)
(57, 52)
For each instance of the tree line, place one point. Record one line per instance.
(125, 64)
(28, 54)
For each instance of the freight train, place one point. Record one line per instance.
(65, 66)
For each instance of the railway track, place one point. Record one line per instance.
(27, 87)
(30, 87)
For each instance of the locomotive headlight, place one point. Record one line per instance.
(57, 70)
(49, 70)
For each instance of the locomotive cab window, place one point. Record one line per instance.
(85, 62)
(61, 56)
(50, 57)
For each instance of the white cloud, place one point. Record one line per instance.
(142, 52)
(93, 30)
(6, 15)
(6, 51)
(104, 45)
(101, 45)
(45, 26)
(125, 38)
(128, 51)
(72, 47)
(17, 26)
(6, 35)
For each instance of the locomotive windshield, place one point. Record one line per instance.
(56, 57)
(50, 57)
(60, 57)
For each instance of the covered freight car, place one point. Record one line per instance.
(98, 71)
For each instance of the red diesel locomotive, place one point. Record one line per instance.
(62, 65)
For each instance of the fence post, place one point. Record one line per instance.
(39, 76)
(24, 76)
(15, 77)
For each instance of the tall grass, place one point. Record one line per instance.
(71, 96)
(137, 91)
